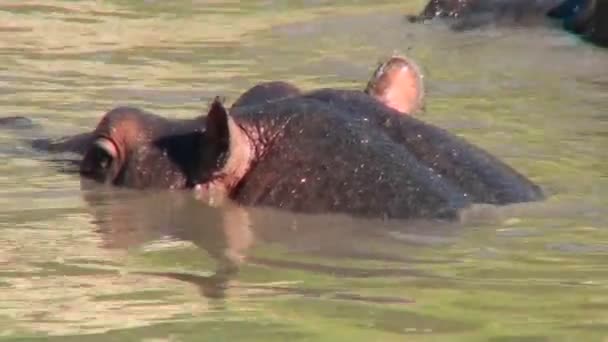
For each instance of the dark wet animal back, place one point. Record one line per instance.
(266, 92)
(319, 159)
(479, 175)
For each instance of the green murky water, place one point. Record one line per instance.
(124, 266)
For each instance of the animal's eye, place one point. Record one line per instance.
(104, 152)
(97, 163)
(102, 159)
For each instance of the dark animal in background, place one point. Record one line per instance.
(585, 17)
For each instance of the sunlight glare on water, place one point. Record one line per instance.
(131, 266)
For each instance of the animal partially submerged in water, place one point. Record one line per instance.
(322, 151)
(589, 18)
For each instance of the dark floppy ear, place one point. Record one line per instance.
(218, 123)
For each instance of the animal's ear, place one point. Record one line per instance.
(398, 83)
(227, 150)
(227, 142)
(218, 124)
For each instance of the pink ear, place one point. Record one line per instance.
(398, 84)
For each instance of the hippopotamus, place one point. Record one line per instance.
(340, 151)
(585, 17)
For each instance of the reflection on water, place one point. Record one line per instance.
(229, 235)
(125, 265)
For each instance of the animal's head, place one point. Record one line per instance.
(136, 149)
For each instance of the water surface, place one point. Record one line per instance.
(130, 266)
